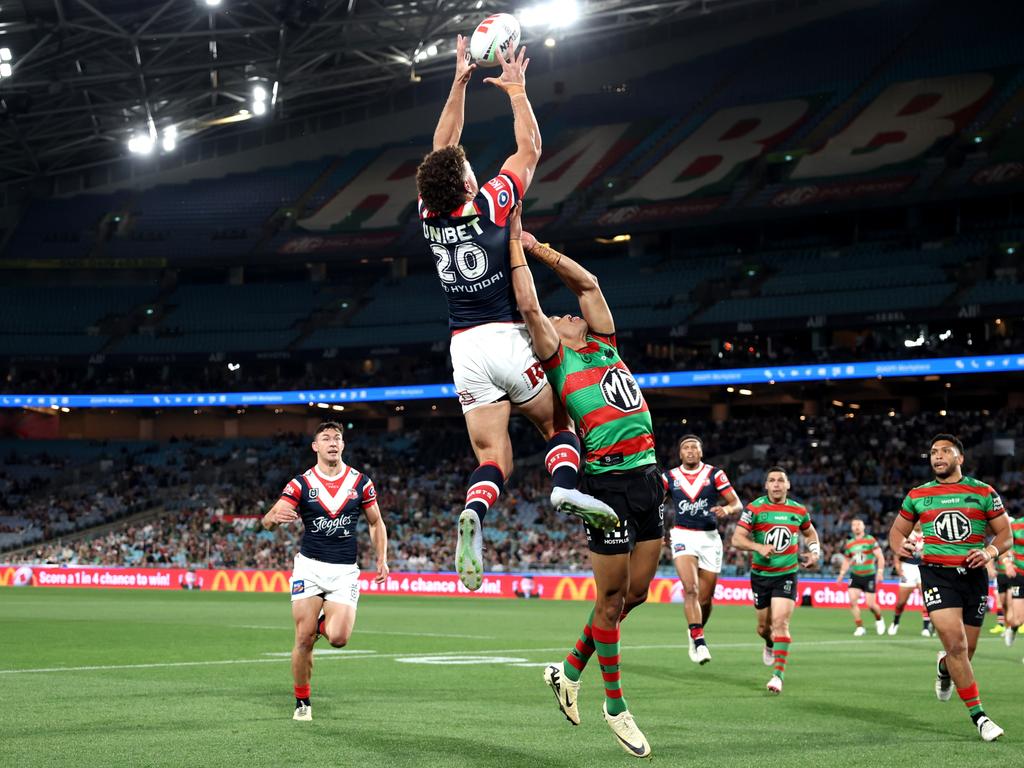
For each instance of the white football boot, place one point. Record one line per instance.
(774, 685)
(303, 712)
(593, 512)
(943, 683)
(469, 557)
(859, 632)
(630, 738)
(566, 692)
(989, 730)
(880, 626)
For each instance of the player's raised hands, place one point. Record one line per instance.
(515, 227)
(463, 65)
(513, 71)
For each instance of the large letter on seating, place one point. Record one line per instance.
(728, 138)
(574, 165)
(904, 122)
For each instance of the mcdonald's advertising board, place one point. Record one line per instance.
(545, 586)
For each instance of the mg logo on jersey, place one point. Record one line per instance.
(952, 526)
(620, 390)
(779, 538)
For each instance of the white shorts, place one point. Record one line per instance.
(910, 575)
(706, 546)
(494, 360)
(337, 582)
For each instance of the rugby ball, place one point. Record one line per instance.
(498, 32)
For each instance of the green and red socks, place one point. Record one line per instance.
(606, 642)
(971, 700)
(302, 695)
(578, 657)
(780, 650)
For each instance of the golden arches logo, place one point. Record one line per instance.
(660, 590)
(569, 588)
(6, 576)
(249, 581)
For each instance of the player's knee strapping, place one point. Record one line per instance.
(485, 486)
(562, 459)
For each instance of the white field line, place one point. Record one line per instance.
(372, 632)
(475, 652)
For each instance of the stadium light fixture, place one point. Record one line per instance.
(550, 42)
(170, 139)
(259, 93)
(141, 144)
(5, 54)
(259, 108)
(746, 392)
(5, 70)
(213, 3)
(554, 14)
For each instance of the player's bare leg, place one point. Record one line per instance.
(872, 605)
(706, 593)
(304, 613)
(338, 622)
(959, 642)
(689, 577)
(901, 606)
(643, 564)
(764, 629)
(854, 595)
(488, 434)
(562, 461)
(781, 611)
(612, 577)
(1014, 617)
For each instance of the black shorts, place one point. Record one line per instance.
(767, 587)
(1002, 582)
(863, 583)
(1017, 586)
(964, 588)
(636, 497)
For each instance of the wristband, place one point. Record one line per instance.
(996, 555)
(814, 548)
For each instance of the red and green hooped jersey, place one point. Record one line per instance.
(861, 553)
(953, 517)
(605, 402)
(778, 525)
(1017, 528)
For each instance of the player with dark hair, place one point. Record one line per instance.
(863, 556)
(581, 358)
(328, 498)
(955, 512)
(768, 528)
(695, 489)
(465, 227)
(909, 571)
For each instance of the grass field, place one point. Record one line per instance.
(111, 678)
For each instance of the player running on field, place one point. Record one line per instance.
(997, 572)
(955, 511)
(1015, 571)
(863, 557)
(768, 528)
(695, 489)
(465, 228)
(581, 358)
(328, 498)
(909, 571)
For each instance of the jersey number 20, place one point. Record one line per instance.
(469, 259)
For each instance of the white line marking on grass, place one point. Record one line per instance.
(477, 651)
(454, 660)
(285, 627)
(318, 652)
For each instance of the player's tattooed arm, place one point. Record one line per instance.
(542, 332)
(453, 116)
(593, 305)
(281, 512)
(379, 539)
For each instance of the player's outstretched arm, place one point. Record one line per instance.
(593, 305)
(732, 506)
(813, 546)
(379, 539)
(281, 512)
(542, 332)
(513, 82)
(453, 116)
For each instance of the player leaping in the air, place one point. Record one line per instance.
(325, 579)
(955, 511)
(581, 358)
(768, 528)
(863, 557)
(465, 228)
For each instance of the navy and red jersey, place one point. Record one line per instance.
(330, 509)
(470, 248)
(694, 493)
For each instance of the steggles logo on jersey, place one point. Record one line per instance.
(620, 390)
(779, 538)
(952, 526)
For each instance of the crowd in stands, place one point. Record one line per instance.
(210, 495)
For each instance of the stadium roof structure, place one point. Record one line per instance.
(80, 78)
